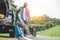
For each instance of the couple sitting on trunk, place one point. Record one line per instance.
(22, 17)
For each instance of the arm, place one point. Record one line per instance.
(21, 21)
(13, 5)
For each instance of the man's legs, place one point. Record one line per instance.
(25, 27)
(26, 30)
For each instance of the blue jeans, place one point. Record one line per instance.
(17, 31)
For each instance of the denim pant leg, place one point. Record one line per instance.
(17, 31)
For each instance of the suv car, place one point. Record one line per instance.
(6, 26)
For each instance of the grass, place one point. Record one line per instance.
(55, 31)
(5, 34)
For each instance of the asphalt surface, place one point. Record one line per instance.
(46, 38)
(35, 38)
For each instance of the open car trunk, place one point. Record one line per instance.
(4, 12)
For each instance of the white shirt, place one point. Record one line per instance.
(24, 14)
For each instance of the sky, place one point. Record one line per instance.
(41, 7)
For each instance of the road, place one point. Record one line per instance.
(46, 38)
(36, 38)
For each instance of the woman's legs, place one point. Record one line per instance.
(17, 31)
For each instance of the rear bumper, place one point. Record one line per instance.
(6, 29)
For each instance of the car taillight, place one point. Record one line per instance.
(7, 23)
(10, 8)
(10, 12)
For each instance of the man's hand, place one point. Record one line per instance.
(18, 9)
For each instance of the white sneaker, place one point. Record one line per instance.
(21, 38)
(27, 38)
